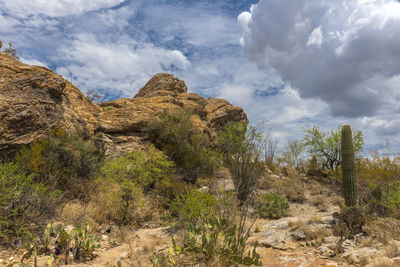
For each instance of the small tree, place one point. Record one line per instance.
(292, 154)
(326, 145)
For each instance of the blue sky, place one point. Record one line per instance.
(291, 63)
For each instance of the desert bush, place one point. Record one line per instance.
(21, 201)
(383, 229)
(320, 202)
(243, 152)
(187, 146)
(379, 178)
(120, 202)
(193, 204)
(272, 206)
(148, 168)
(350, 221)
(122, 181)
(63, 161)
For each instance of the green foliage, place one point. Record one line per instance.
(121, 180)
(348, 167)
(63, 161)
(193, 204)
(187, 146)
(147, 168)
(380, 183)
(326, 145)
(384, 200)
(59, 243)
(21, 200)
(272, 206)
(243, 151)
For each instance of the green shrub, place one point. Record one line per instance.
(193, 204)
(63, 161)
(272, 206)
(384, 200)
(120, 183)
(243, 150)
(188, 147)
(21, 201)
(119, 202)
(147, 168)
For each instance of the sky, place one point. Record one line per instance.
(291, 64)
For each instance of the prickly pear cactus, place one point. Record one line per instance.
(348, 167)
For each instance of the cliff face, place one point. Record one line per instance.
(34, 100)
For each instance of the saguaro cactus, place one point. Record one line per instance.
(348, 167)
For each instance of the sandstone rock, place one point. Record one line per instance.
(298, 234)
(34, 101)
(276, 239)
(326, 251)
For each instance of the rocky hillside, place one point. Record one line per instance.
(34, 100)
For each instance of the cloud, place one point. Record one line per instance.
(119, 68)
(54, 8)
(346, 53)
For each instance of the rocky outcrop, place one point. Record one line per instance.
(34, 100)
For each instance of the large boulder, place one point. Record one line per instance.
(34, 100)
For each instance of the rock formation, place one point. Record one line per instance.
(35, 100)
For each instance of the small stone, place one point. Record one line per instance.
(303, 244)
(123, 255)
(298, 234)
(325, 251)
(11, 258)
(204, 189)
(104, 237)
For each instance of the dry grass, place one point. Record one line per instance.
(382, 262)
(257, 227)
(383, 230)
(316, 234)
(295, 224)
(337, 200)
(315, 219)
(290, 187)
(392, 250)
(320, 202)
